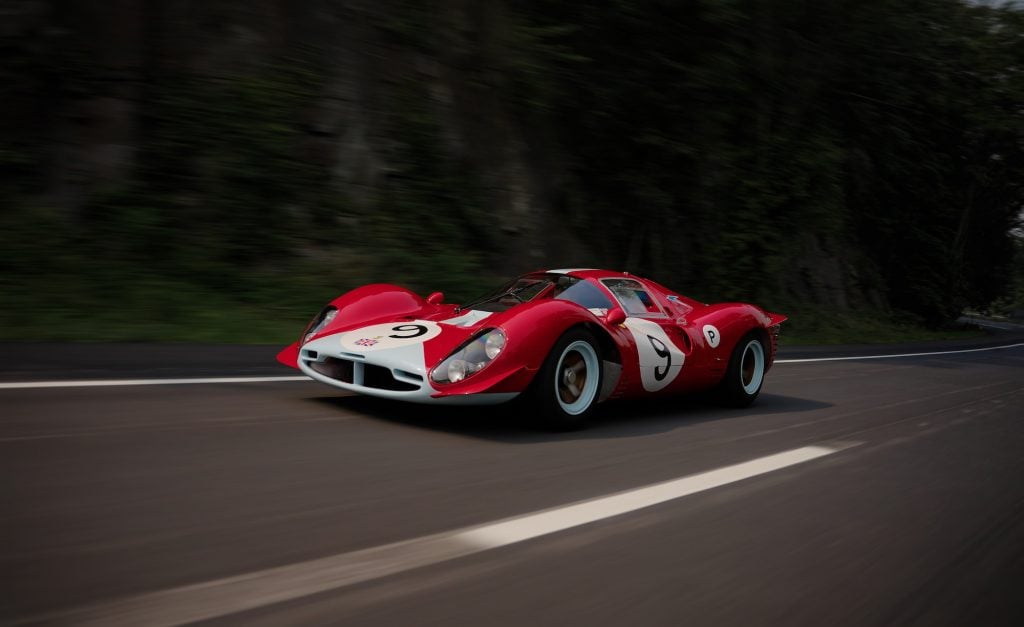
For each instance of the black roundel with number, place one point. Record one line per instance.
(660, 372)
(408, 331)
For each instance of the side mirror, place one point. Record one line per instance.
(615, 316)
(435, 298)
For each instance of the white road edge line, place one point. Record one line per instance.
(100, 383)
(223, 597)
(855, 357)
(97, 383)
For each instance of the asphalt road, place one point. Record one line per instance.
(855, 492)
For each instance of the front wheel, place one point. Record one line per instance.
(566, 387)
(745, 375)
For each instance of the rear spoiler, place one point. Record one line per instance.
(775, 319)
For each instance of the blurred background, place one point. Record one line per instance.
(216, 170)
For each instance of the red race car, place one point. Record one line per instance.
(564, 340)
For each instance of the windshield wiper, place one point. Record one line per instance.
(514, 293)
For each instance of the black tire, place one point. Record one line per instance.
(745, 375)
(556, 396)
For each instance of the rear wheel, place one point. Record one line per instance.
(566, 387)
(745, 375)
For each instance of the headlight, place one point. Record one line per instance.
(471, 357)
(493, 343)
(321, 320)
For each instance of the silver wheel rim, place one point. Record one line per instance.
(752, 367)
(576, 377)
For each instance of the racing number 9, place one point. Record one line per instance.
(415, 329)
(663, 352)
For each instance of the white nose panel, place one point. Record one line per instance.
(387, 336)
(404, 355)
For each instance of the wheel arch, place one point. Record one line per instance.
(610, 356)
(609, 349)
(762, 334)
(545, 392)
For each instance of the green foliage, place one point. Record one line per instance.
(1012, 301)
(428, 222)
(225, 232)
(222, 180)
(712, 139)
(764, 150)
(817, 325)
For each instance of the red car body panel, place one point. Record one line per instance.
(676, 345)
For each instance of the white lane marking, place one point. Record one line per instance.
(1004, 326)
(23, 385)
(996, 325)
(230, 595)
(100, 383)
(966, 350)
(542, 523)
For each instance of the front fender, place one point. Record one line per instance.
(531, 331)
(290, 355)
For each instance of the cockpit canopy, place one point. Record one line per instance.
(541, 285)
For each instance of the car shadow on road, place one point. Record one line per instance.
(511, 423)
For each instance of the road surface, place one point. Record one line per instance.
(855, 492)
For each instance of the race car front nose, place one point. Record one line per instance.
(395, 370)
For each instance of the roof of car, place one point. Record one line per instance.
(591, 273)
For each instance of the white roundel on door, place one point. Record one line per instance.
(390, 335)
(660, 360)
(712, 335)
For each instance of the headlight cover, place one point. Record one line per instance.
(321, 320)
(471, 357)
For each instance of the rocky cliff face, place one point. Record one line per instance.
(86, 74)
(409, 118)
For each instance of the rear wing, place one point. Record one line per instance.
(775, 319)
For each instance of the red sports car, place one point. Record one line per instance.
(564, 340)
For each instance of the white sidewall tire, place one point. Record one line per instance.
(744, 376)
(593, 380)
(558, 401)
(754, 352)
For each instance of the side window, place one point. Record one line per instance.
(632, 296)
(582, 293)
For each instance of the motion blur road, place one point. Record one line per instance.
(880, 492)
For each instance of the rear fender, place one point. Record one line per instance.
(732, 322)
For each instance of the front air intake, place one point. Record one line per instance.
(363, 374)
(338, 369)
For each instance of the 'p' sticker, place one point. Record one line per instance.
(712, 335)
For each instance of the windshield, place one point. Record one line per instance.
(515, 292)
(539, 286)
